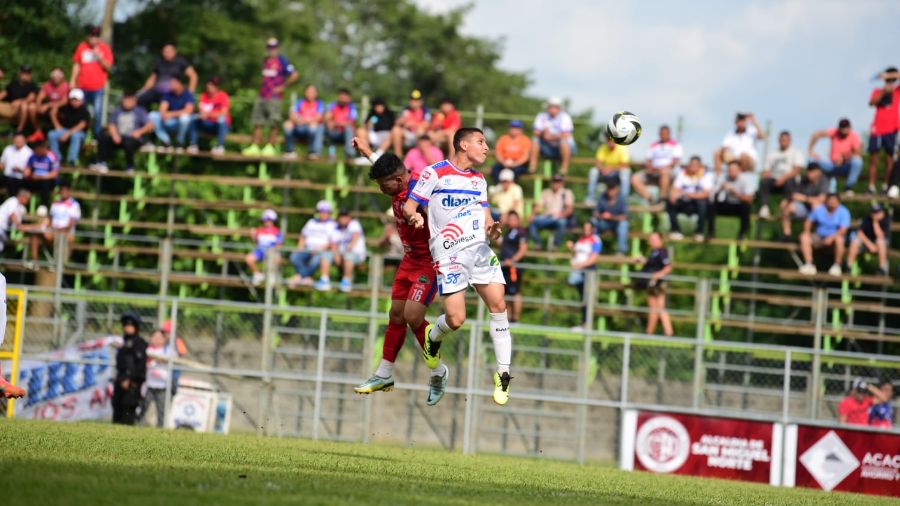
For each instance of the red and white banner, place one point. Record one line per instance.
(701, 446)
(842, 459)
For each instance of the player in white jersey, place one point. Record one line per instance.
(6, 390)
(459, 219)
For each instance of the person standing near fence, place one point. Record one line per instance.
(657, 265)
(131, 371)
(158, 355)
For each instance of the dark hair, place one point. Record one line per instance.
(697, 158)
(844, 123)
(833, 194)
(462, 134)
(387, 164)
(813, 165)
(735, 162)
(611, 184)
(512, 212)
(128, 93)
(377, 101)
(445, 100)
(784, 132)
(41, 144)
(65, 183)
(343, 90)
(884, 380)
(665, 126)
(176, 78)
(23, 191)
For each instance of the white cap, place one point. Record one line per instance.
(76, 93)
(269, 215)
(507, 175)
(323, 206)
(42, 211)
(555, 100)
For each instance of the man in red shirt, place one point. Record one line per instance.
(883, 137)
(845, 157)
(90, 69)
(53, 95)
(415, 283)
(444, 124)
(214, 117)
(340, 123)
(854, 409)
(412, 124)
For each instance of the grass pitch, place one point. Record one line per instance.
(46, 463)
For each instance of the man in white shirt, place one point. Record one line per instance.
(782, 166)
(690, 195)
(662, 160)
(733, 196)
(64, 214)
(553, 136)
(14, 161)
(11, 214)
(740, 143)
(351, 247)
(315, 249)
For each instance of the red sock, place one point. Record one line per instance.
(393, 341)
(420, 333)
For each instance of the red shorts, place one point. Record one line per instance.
(417, 283)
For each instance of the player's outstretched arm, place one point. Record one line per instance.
(494, 229)
(362, 146)
(411, 214)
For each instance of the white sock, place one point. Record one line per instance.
(439, 370)
(385, 369)
(502, 341)
(440, 329)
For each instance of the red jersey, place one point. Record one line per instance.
(415, 240)
(92, 76)
(216, 105)
(857, 412)
(887, 112)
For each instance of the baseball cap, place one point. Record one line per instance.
(93, 31)
(415, 95)
(323, 206)
(343, 212)
(813, 166)
(515, 124)
(859, 384)
(25, 68)
(554, 100)
(844, 123)
(876, 208)
(269, 215)
(507, 175)
(557, 177)
(166, 326)
(272, 42)
(76, 93)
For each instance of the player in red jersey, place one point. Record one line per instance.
(415, 283)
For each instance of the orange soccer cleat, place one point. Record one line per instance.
(10, 391)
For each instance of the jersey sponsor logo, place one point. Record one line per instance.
(494, 261)
(450, 201)
(464, 214)
(423, 279)
(451, 232)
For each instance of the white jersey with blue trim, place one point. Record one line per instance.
(455, 200)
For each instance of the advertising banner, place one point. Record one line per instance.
(842, 459)
(697, 445)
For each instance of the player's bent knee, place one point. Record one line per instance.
(455, 321)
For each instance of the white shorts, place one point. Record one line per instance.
(476, 265)
(409, 138)
(376, 139)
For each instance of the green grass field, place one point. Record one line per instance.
(43, 463)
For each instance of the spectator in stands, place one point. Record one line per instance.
(12, 214)
(351, 248)
(266, 237)
(340, 124)
(611, 215)
(315, 249)
(881, 414)
(213, 117)
(425, 153)
(42, 172)
(158, 356)
(553, 210)
(513, 247)
(390, 240)
(277, 74)
(126, 130)
(377, 128)
(613, 163)
(180, 347)
(412, 124)
(306, 122)
(64, 215)
(872, 237)
(845, 159)
(782, 168)
(553, 136)
(831, 221)
(17, 98)
(53, 94)
(90, 69)
(176, 110)
(70, 123)
(14, 162)
(444, 123)
(854, 409)
(801, 198)
(883, 137)
(740, 143)
(159, 82)
(585, 255)
(512, 151)
(690, 195)
(656, 267)
(662, 160)
(507, 197)
(733, 196)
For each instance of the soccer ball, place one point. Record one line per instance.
(624, 128)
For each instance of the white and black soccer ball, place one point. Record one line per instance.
(624, 128)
